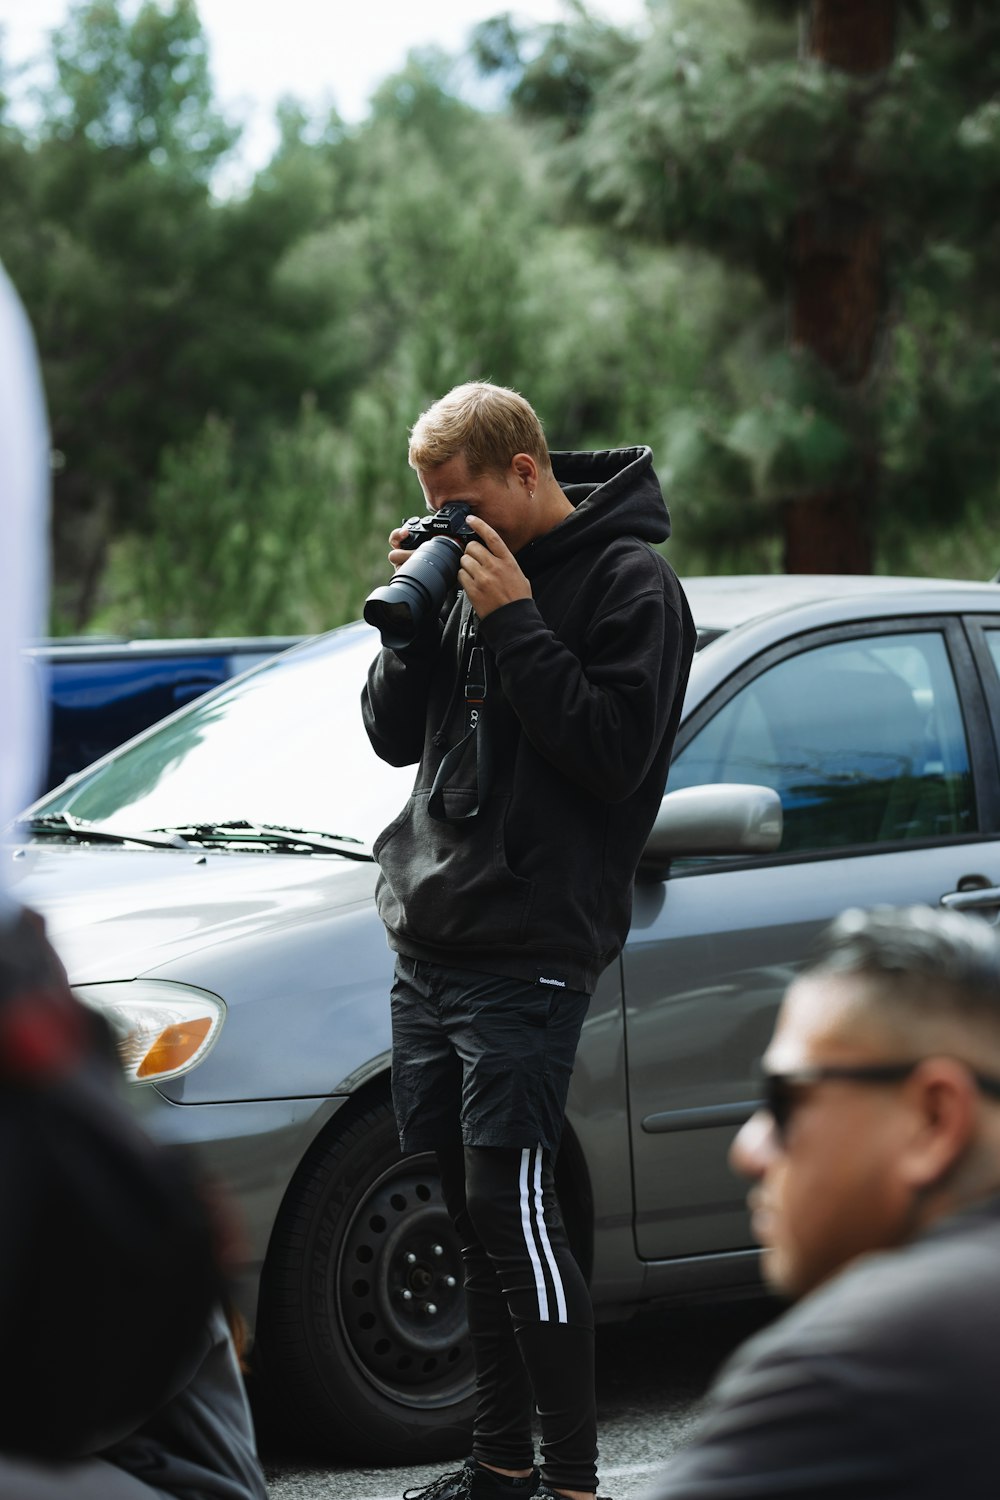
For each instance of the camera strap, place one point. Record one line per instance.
(475, 699)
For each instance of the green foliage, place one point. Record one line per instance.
(940, 453)
(696, 147)
(140, 89)
(773, 445)
(287, 544)
(152, 303)
(231, 378)
(971, 550)
(715, 135)
(554, 73)
(416, 286)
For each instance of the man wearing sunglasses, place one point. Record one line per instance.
(875, 1164)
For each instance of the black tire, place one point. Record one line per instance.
(362, 1331)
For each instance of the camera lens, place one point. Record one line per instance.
(416, 593)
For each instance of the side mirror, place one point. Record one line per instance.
(725, 818)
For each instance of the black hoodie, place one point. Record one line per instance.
(523, 864)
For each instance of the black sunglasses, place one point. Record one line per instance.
(782, 1091)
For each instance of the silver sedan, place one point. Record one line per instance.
(210, 888)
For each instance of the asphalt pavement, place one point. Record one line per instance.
(651, 1375)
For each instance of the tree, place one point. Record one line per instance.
(139, 88)
(364, 271)
(836, 274)
(652, 242)
(849, 178)
(152, 302)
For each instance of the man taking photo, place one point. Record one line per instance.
(540, 707)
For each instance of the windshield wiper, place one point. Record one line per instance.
(63, 825)
(274, 836)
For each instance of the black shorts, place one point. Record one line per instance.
(480, 1057)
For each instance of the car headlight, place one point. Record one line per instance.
(162, 1029)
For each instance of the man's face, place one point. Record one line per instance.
(830, 1189)
(503, 502)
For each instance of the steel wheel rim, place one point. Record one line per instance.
(398, 1286)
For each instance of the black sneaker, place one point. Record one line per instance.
(473, 1481)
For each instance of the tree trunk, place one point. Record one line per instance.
(836, 299)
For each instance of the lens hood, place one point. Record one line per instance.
(416, 592)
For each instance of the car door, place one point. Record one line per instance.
(877, 738)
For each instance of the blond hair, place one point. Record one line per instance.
(486, 424)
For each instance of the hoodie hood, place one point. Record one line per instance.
(614, 492)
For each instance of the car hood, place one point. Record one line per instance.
(116, 914)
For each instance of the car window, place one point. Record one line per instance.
(993, 641)
(862, 739)
(285, 746)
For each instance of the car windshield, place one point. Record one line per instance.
(283, 747)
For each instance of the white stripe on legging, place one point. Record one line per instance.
(529, 1240)
(543, 1235)
(526, 1186)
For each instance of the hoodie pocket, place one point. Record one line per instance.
(449, 885)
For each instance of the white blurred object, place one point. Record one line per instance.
(24, 519)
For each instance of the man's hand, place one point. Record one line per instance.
(398, 555)
(489, 573)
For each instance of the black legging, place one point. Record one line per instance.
(530, 1316)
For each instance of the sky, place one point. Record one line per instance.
(322, 51)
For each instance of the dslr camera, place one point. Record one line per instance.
(421, 585)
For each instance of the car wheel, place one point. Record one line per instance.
(362, 1333)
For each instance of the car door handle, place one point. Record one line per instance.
(702, 1117)
(985, 898)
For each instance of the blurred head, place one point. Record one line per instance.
(880, 1115)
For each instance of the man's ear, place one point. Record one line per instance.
(525, 470)
(943, 1097)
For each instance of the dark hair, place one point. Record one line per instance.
(934, 959)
